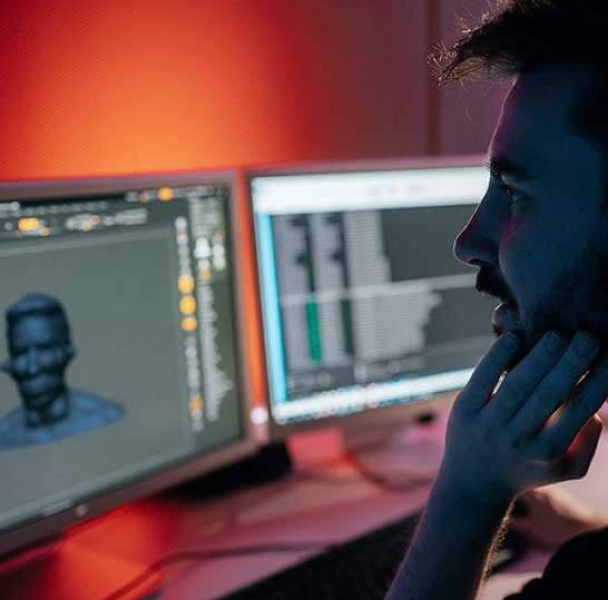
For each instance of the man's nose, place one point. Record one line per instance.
(32, 364)
(477, 243)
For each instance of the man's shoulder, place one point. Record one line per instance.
(584, 550)
(14, 434)
(575, 569)
(89, 405)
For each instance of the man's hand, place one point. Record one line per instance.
(538, 427)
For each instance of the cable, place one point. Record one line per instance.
(197, 555)
(412, 482)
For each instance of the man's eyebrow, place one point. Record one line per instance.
(499, 166)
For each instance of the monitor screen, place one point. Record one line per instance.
(118, 339)
(363, 304)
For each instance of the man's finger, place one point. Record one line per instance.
(592, 393)
(556, 387)
(487, 373)
(523, 380)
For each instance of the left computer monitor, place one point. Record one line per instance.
(121, 368)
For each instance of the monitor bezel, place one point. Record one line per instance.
(35, 531)
(387, 417)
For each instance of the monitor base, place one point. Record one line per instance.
(67, 570)
(270, 463)
(402, 458)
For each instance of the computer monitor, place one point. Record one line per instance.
(366, 314)
(119, 344)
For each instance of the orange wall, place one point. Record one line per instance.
(118, 86)
(93, 87)
(122, 86)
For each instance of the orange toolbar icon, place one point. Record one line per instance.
(29, 224)
(196, 403)
(185, 284)
(187, 305)
(189, 324)
(165, 194)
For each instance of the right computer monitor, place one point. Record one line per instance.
(364, 306)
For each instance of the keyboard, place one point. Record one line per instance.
(363, 568)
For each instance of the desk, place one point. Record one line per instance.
(326, 500)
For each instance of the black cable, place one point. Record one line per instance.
(197, 555)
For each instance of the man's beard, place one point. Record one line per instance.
(577, 301)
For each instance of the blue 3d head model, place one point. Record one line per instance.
(41, 348)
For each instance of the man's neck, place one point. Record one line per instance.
(56, 411)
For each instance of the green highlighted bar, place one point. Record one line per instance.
(314, 331)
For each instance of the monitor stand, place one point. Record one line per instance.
(405, 456)
(64, 569)
(271, 462)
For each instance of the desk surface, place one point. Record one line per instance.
(325, 500)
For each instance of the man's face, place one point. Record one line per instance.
(540, 233)
(40, 353)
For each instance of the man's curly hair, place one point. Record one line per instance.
(515, 36)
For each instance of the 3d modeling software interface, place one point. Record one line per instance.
(117, 341)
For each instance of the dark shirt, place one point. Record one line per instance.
(578, 570)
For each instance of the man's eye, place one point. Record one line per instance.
(510, 192)
(506, 189)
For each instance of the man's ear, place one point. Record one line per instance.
(70, 351)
